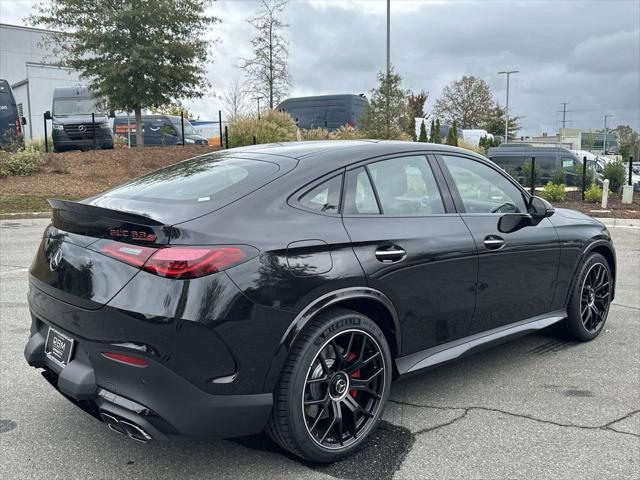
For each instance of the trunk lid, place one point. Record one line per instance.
(69, 264)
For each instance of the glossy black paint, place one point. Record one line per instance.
(227, 335)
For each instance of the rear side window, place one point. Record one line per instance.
(198, 181)
(325, 198)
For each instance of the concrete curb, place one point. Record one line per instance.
(24, 215)
(620, 222)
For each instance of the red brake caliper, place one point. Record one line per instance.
(356, 374)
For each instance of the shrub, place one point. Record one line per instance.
(590, 174)
(557, 176)
(347, 133)
(10, 142)
(526, 174)
(554, 192)
(616, 173)
(470, 146)
(38, 144)
(593, 194)
(314, 134)
(20, 163)
(273, 126)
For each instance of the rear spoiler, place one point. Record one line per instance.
(99, 222)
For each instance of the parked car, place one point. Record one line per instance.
(283, 287)
(159, 130)
(79, 120)
(10, 120)
(511, 156)
(326, 111)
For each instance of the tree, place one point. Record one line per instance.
(387, 114)
(494, 123)
(432, 131)
(423, 133)
(589, 140)
(234, 99)
(416, 103)
(435, 137)
(267, 70)
(452, 135)
(174, 108)
(467, 101)
(135, 53)
(627, 140)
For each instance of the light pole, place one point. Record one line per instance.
(388, 37)
(258, 99)
(604, 144)
(506, 122)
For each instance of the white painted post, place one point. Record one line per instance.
(605, 193)
(627, 194)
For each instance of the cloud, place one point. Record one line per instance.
(583, 52)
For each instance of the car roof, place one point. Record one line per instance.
(333, 154)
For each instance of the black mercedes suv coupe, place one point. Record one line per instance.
(283, 287)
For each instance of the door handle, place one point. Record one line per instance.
(494, 242)
(392, 254)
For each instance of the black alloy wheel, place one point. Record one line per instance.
(343, 389)
(590, 299)
(595, 297)
(333, 387)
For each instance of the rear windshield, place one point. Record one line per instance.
(202, 180)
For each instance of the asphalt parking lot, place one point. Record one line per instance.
(538, 407)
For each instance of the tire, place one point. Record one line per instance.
(320, 381)
(589, 300)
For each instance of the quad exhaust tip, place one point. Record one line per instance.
(125, 427)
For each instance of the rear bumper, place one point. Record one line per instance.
(154, 398)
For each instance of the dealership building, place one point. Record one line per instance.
(28, 63)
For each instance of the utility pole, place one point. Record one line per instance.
(388, 37)
(564, 113)
(258, 99)
(506, 122)
(604, 145)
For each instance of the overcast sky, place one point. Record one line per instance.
(586, 53)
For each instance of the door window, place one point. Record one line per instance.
(482, 189)
(325, 198)
(406, 186)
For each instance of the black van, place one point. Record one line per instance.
(326, 111)
(73, 126)
(10, 121)
(511, 156)
(158, 130)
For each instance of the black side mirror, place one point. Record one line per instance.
(112, 114)
(47, 115)
(24, 120)
(539, 208)
(512, 222)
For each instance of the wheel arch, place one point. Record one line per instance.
(367, 301)
(604, 248)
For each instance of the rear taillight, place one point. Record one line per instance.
(192, 262)
(179, 261)
(18, 126)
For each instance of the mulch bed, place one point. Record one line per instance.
(615, 209)
(82, 174)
